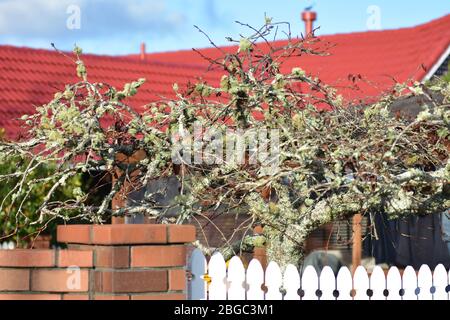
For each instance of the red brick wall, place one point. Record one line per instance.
(105, 262)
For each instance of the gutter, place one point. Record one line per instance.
(436, 66)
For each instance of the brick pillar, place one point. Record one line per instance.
(133, 261)
(44, 274)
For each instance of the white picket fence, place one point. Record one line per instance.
(236, 283)
(7, 245)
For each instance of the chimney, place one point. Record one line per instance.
(142, 54)
(309, 17)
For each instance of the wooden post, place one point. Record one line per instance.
(120, 199)
(260, 253)
(357, 241)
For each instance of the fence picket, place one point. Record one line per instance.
(394, 284)
(361, 283)
(255, 280)
(377, 284)
(291, 283)
(273, 281)
(440, 281)
(424, 283)
(197, 267)
(235, 282)
(327, 284)
(344, 284)
(217, 271)
(8, 245)
(236, 279)
(310, 283)
(409, 284)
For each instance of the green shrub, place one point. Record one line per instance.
(16, 215)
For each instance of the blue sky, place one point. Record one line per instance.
(119, 26)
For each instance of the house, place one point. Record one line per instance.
(30, 77)
(378, 59)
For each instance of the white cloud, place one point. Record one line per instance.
(107, 26)
(47, 18)
(142, 11)
(34, 17)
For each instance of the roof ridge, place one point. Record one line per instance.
(131, 58)
(355, 33)
(417, 26)
(104, 57)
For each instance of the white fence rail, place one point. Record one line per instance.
(213, 280)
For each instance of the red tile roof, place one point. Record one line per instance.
(378, 56)
(30, 77)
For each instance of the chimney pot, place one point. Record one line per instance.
(309, 17)
(142, 54)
